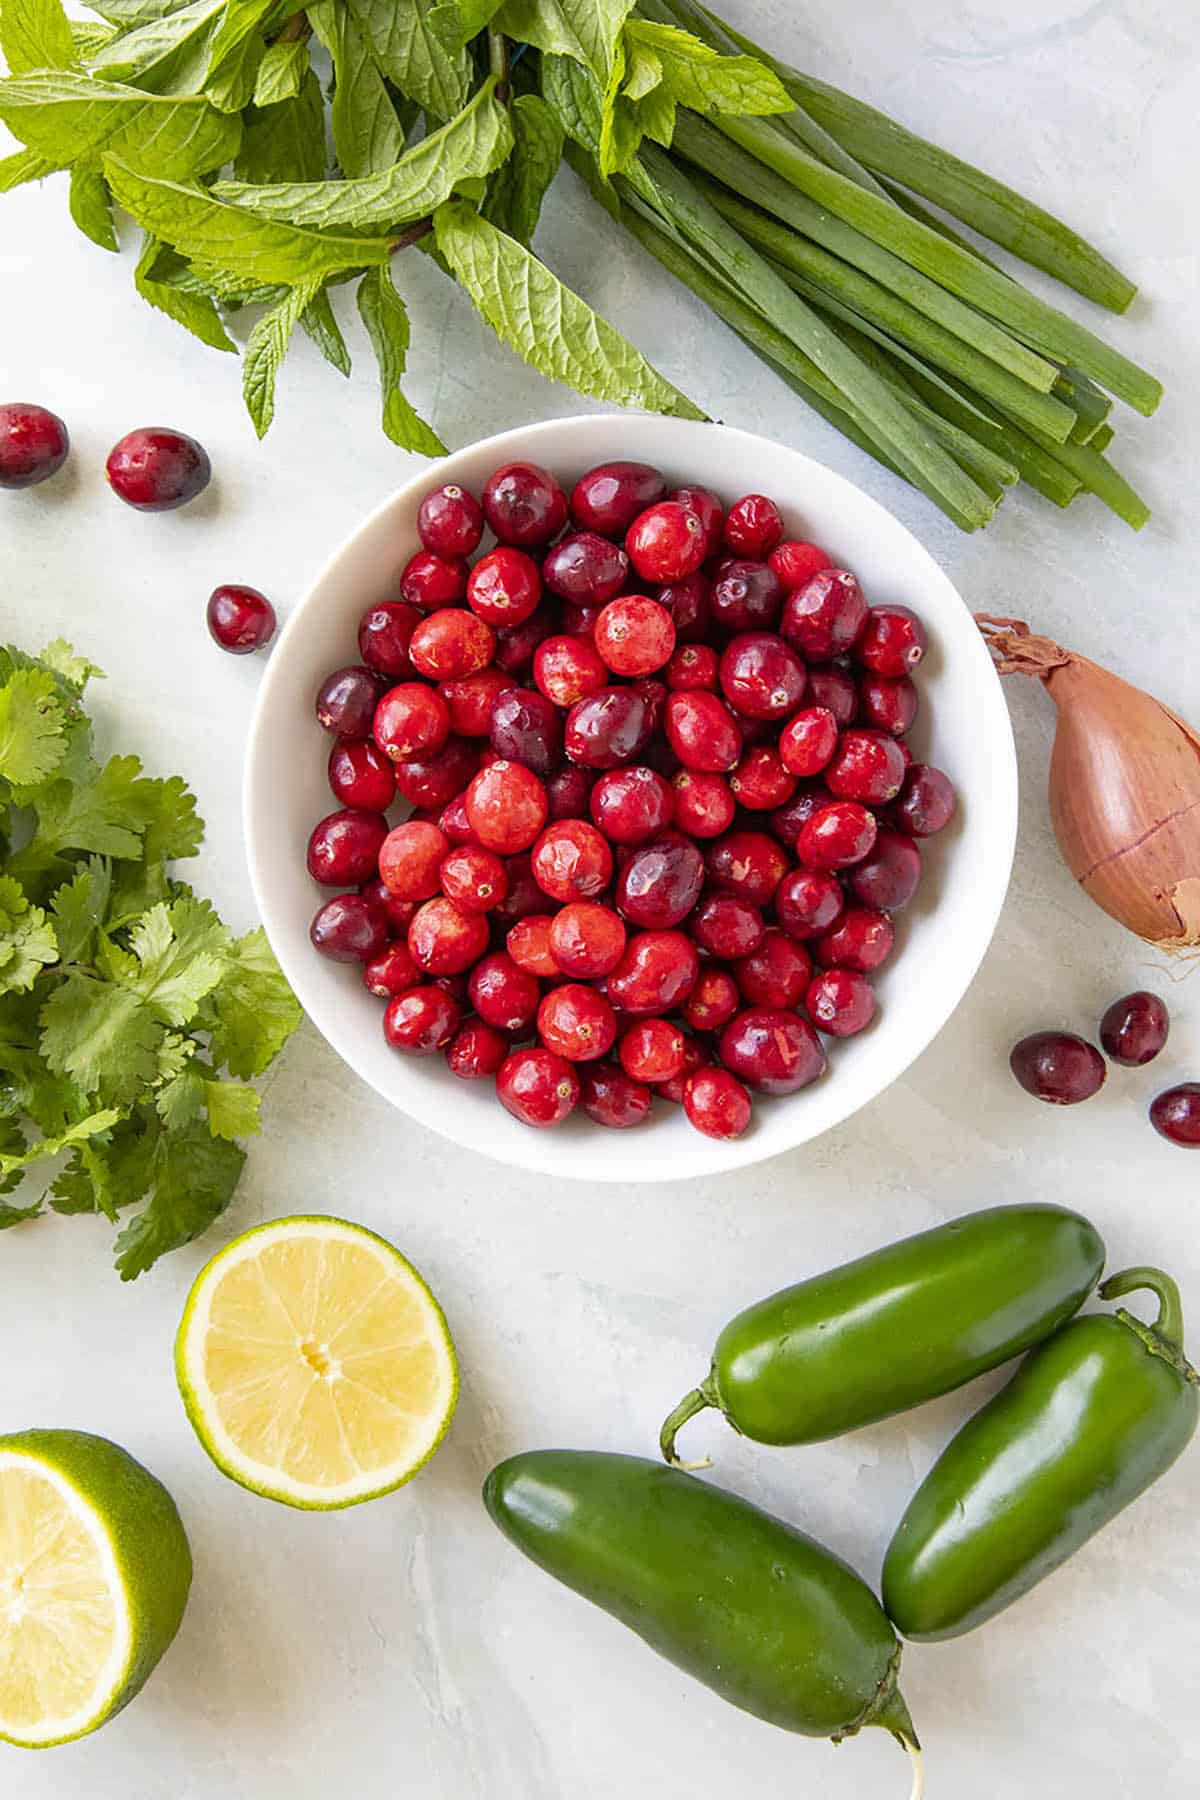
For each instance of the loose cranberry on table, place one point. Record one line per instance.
(862, 940)
(609, 497)
(393, 971)
(657, 971)
(611, 1097)
(762, 676)
(361, 775)
(537, 1087)
(840, 1002)
(507, 807)
(349, 928)
(888, 877)
(567, 669)
(702, 732)
(867, 766)
(524, 504)
(826, 617)
(476, 1051)
(889, 705)
(608, 728)
(634, 635)
(927, 802)
(704, 803)
(775, 973)
(240, 619)
(1135, 1028)
(666, 542)
(528, 943)
(796, 562)
(568, 792)
(808, 741)
(471, 698)
(433, 781)
(445, 939)
(585, 568)
(661, 882)
(687, 601)
(503, 993)
(772, 1050)
(893, 641)
(347, 699)
(411, 721)
(515, 644)
(1175, 1115)
(708, 509)
(837, 835)
(155, 469)
(384, 632)
(748, 863)
(693, 666)
(572, 861)
(809, 902)
(474, 878)
(450, 521)
(34, 444)
(526, 728)
(713, 1001)
(753, 526)
(343, 849)
(746, 596)
(716, 1103)
(422, 1021)
(632, 805)
(652, 1050)
(834, 688)
(726, 926)
(1058, 1067)
(761, 782)
(576, 1021)
(429, 582)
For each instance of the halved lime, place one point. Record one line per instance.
(315, 1364)
(94, 1576)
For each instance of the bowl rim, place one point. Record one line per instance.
(536, 1151)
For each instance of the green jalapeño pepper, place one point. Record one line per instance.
(1084, 1427)
(900, 1326)
(746, 1604)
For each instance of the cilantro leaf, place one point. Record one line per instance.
(285, 142)
(92, 1126)
(79, 908)
(104, 815)
(34, 34)
(367, 133)
(253, 1012)
(17, 1215)
(76, 671)
(27, 939)
(180, 952)
(181, 1100)
(31, 727)
(413, 55)
(587, 30)
(266, 350)
(516, 191)
(66, 116)
(282, 72)
(103, 1036)
(90, 205)
(385, 316)
(194, 1177)
(232, 1108)
(195, 312)
(105, 1175)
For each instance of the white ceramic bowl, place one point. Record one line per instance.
(963, 726)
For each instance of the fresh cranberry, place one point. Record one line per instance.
(346, 701)
(240, 619)
(421, 1021)
(809, 903)
(888, 878)
(361, 775)
(837, 835)
(861, 940)
(434, 781)
(504, 587)
(474, 878)
(392, 972)
(746, 596)
(890, 706)
(666, 542)
(1134, 1029)
(612, 1098)
(572, 861)
(661, 882)
(515, 644)
(586, 940)
(412, 721)
(568, 669)
(753, 526)
(507, 807)
(773, 1050)
(694, 1057)
(707, 508)
(1175, 1115)
(344, 848)
(727, 926)
(528, 943)
(503, 993)
(747, 863)
(34, 444)
(788, 821)
(410, 860)
(760, 781)
(384, 632)
(585, 568)
(693, 666)
(526, 728)
(841, 1002)
(927, 801)
(453, 822)
(632, 805)
(579, 621)
(156, 469)
(429, 582)
(471, 698)
(537, 1087)
(687, 603)
(834, 688)
(808, 741)
(655, 974)
(450, 645)
(349, 928)
(607, 729)
(634, 635)
(825, 617)
(702, 732)
(775, 973)
(704, 803)
(569, 792)
(476, 1051)
(524, 504)
(867, 766)
(713, 1001)
(399, 912)
(716, 1103)
(652, 1050)
(609, 497)
(524, 896)
(450, 521)
(1058, 1067)
(761, 676)
(444, 939)
(577, 1022)
(796, 562)
(655, 694)
(893, 641)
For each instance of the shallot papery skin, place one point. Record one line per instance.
(1124, 787)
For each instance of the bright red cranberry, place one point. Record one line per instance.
(528, 943)
(716, 1103)
(586, 940)
(632, 805)
(569, 792)
(927, 801)
(156, 469)
(747, 863)
(775, 973)
(704, 803)
(572, 861)
(702, 732)
(524, 896)
(661, 882)
(707, 508)
(796, 562)
(349, 928)
(694, 1057)
(435, 780)
(607, 729)
(586, 569)
(652, 1050)
(410, 860)
(727, 926)
(344, 848)
(772, 1050)
(450, 521)
(444, 939)
(577, 1022)
(392, 972)
(861, 940)
(893, 642)
(346, 701)
(524, 504)
(537, 1087)
(471, 698)
(361, 775)
(753, 526)
(568, 669)
(826, 616)
(840, 1002)
(474, 878)
(746, 596)
(412, 721)
(761, 676)
(1134, 1029)
(451, 644)
(666, 542)
(507, 807)
(809, 903)
(687, 603)
(34, 444)
(837, 835)
(867, 766)
(609, 497)
(429, 582)
(240, 619)
(713, 1001)
(421, 1021)
(890, 706)
(634, 635)
(1175, 1115)
(384, 632)
(503, 993)
(788, 821)
(760, 782)
(834, 688)
(476, 1051)
(504, 587)
(526, 728)
(655, 974)
(693, 666)
(612, 1098)
(808, 741)
(888, 878)
(1058, 1067)
(516, 644)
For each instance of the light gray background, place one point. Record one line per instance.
(403, 1647)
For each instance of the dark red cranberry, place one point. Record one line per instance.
(760, 782)
(429, 582)
(825, 617)
(569, 792)
(399, 912)
(572, 861)
(240, 619)
(632, 805)
(1175, 1115)
(707, 508)
(775, 973)
(34, 444)
(893, 641)
(840, 1002)
(361, 775)
(891, 706)
(661, 882)
(344, 848)
(761, 676)
(655, 974)
(694, 1057)
(1058, 1067)
(772, 1050)
(704, 803)
(666, 542)
(450, 521)
(524, 504)
(349, 928)
(1134, 1029)
(652, 1050)
(702, 732)
(579, 621)
(796, 562)
(446, 940)
(634, 635)
(727, 926)
(577, 1022)
(809, 903)
(655, 693)
(474, 878)
(862, 940)
(713, 1001)
(526, 728)
(507, 807)
(392, 972)
(716, 1103)
(837, 835)
(410, 860)
(609, 497)
(516, 644)
(585, 568)
(504, 587)
(156, 469)
(788, 821)
(586, 940)
(435, 780)
(412, 721)
(927, 801)
(693, 666)
(753, 526)
(808, 740)
(384, 633)
(346, 701)
(528, 943)
(421, 1021)
(888, 878)
(867, 766)
(687, 603)
(476, 1051)
(503, 993)
(747, 863)
(747, 596)
(537, 1087)
(568, 669)
(524, 896)
(607, 729)
(471, 698)
(612, 1098)
(835, 689)
(451, 644)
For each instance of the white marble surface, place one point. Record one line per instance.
(403, 1647)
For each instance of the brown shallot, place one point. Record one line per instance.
(1124, 788)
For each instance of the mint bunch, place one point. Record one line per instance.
(131, 1019)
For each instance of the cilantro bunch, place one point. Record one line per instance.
(131, 1019)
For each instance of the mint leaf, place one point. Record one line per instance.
(412, 54)
(23, 166)
(102, 1036)
(385, 316)
(88, 36)
(68, 116)
(90, 206)
(252, 1013)
(27, 939)
(551, 327)
(230, 84)
(707, 82)
(283, 143)
(194, 1177)
(129, 14)
(281, 72)
(92, 1126)
(456, 22)
(644, 71)
(367, 134)
(80, 907)
(32, 744)
(34, 34)
(195, 312)
(180, 953)
(319, 323)
(240, 21)
(473, 144)
(516, 191)
(167, 54)
(587, 30)
(575, 98)
(266, 350)
(232, 1109)
(620, 134)
(231, 241)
